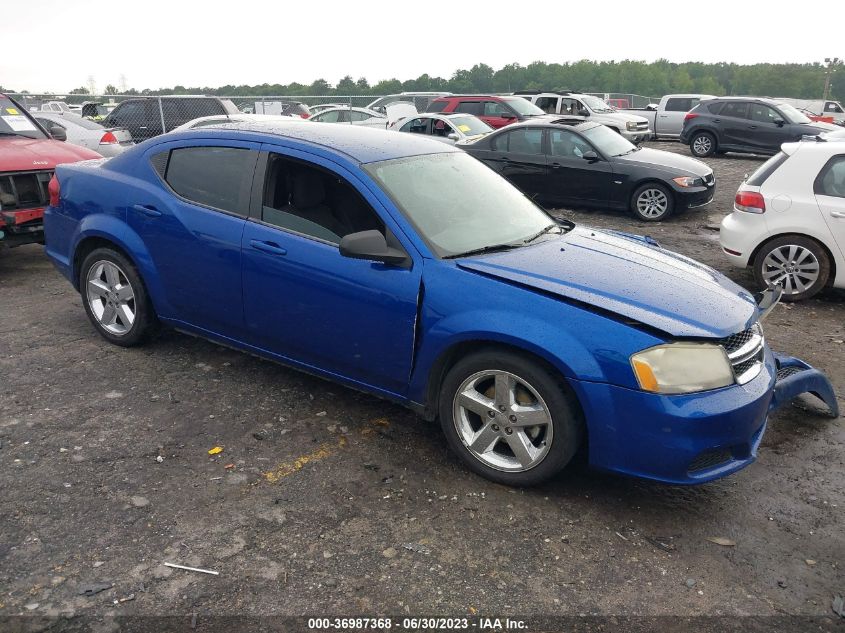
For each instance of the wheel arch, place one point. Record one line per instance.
(651, 180)
(712, 132)
(825, 248)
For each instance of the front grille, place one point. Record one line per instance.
(710, 459)
(709, 179)
(24, 190)
(745, 351)
(643, 125)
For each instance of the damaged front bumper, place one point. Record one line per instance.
(795, 377)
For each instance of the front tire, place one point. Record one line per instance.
(652, 202)
(702, 144)
(508, 418)
(115, 298)
(799, 264)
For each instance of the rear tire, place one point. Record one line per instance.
(799, 264)
(702, 144)
(652, 202)
(508, 418)
(115, 298)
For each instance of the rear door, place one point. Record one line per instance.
(670, 121)
(829, 188)
(733, 122)
(192, 227)
(520, 157)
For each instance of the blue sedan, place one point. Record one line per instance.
(406, 268)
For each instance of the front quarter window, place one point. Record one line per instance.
(457, 204)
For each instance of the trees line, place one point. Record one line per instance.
(627, 76)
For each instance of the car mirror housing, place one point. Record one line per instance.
(780, 122)
(509, 116)
(590, 157)
(371, 245)
(583, 112)
(453, 136)
(58, 133)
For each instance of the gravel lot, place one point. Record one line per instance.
(325, 501)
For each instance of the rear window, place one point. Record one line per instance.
(680, 104)
(218, 177)
(715, 108)
(15, 121)
(436, 106)
(767, 169)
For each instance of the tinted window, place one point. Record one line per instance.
(219, 177)
(736, 109)
(304, 199)
(129, 111)
(47, 123)
(679, 104)
(831, 179)
(571, 106)
(329, 116)
(767, 169)
(547, 104)
(567, 144)
(523, 141)
(416, 126)
(832, 106)
(762, 113)
(494, 108)
(354, 115)
(715, 108)
(437, 106)
(469, 107)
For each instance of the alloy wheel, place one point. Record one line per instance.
(652, 203)
(111, 297)
(702, 145)
(794, 267)
(502, 421)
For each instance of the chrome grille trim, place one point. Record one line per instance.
(745, 352)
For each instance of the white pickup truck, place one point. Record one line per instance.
(666, 119)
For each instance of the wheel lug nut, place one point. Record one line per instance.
(502, 408)
(508, 430)
(512, 418)
(495, 427)
(492, 414)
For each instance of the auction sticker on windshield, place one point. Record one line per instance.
(19, 123)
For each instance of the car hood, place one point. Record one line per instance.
(628, 277)
(18, 153)
(621, 116)
(654, 157)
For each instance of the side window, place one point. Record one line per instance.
(570, 106)
(522, 141)
(129, 111)
(831, 179)
(495, 108)
(329, 116)
(441, 128)
(547, 104)
(354, 115)
(680, 104)
(832, 106)
(416, 126)
(47, 123)
(567, 144)
(173, 111)
(437, 106)
(312, 201)
(469, 107)
(715, 108)
(762, 113)
(217, 177)
(736, 109)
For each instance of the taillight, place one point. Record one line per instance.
(305, 115)
(750, 202)
(54, 189)
(690, 115)
(108, 139)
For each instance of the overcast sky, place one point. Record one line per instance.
(57, 44)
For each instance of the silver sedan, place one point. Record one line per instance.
(448, 128)
(84, 132)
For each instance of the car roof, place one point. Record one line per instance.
(746, 98)
(359, 143)
(477, 97)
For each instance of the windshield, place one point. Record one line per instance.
(596, 105)
(523, 107)
(458, 204)
(470, 125)
(608, 142)
(793, 115)
(15, 121)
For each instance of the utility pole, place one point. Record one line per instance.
(831, 62)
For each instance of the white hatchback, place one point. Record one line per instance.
(788, 222)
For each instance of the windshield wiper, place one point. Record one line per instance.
(493, 248)
(528, 240)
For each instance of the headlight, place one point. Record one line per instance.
(682, 368)
(688, 181)
(631, 125)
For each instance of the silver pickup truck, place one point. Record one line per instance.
(666, 119)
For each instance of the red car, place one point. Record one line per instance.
(28, 155)
(493, 110)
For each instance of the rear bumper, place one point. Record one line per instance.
(692, 438)
(739, 235)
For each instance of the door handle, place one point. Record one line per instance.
(837, 214)
(149, 211)
(717, 120)
(555, 165)
(752, 127)
(268, 247)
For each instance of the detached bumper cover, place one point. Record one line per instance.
(692, 438)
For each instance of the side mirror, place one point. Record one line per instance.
(510, 116)
(370, 245)
(590, 157)
(58, 133)
(780, 122)
(583, 112)
(453, 136)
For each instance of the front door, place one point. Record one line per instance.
(572, 178)
(306, 302)
(830, 195)
(763, 133)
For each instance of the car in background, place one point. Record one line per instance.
(222, 119)
(81, 131)
(28, 156)
(666, 118)
(54, 106)
(568, 161)
(818, 107)
(745, 124)
(633, 127)
(355, 116)
(496, 111)
(448, 128)
(420, 100)
(316, 109)
(282, 108)
(146, 117)
(96, 110)
(788, 223)
(405, 268)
